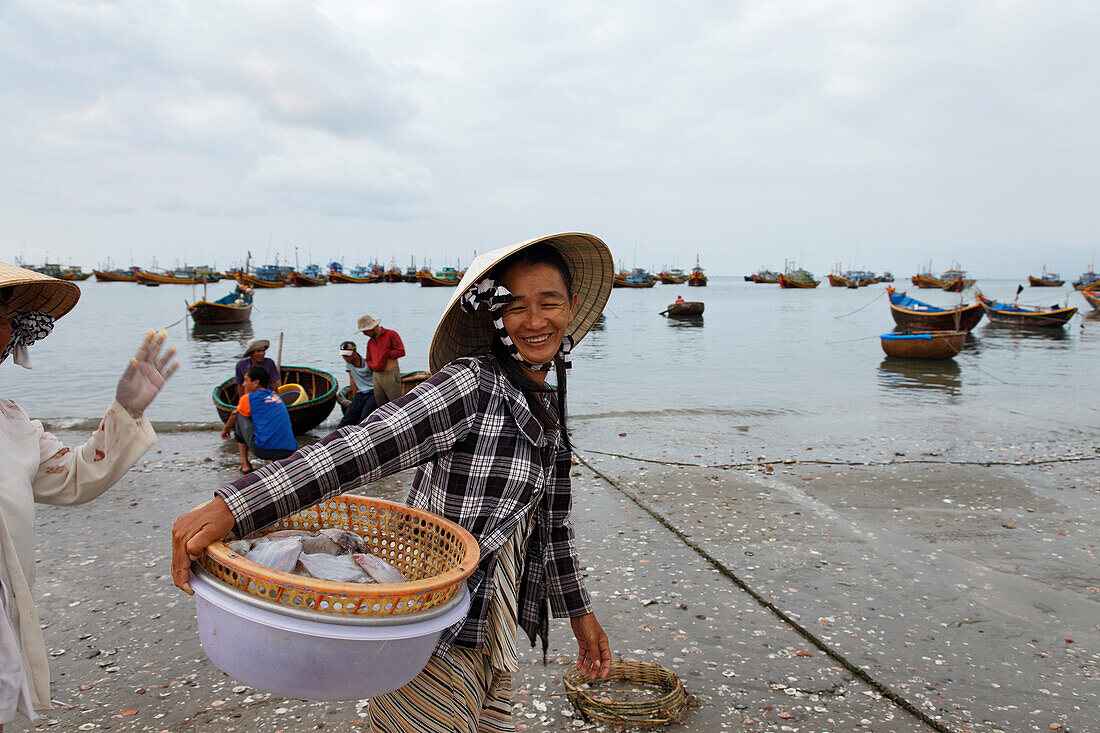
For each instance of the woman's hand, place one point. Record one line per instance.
(146, 373)
(593, 649)
(193, 532)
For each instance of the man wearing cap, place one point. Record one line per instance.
(362, 386)
(35, 467)
(255, 354)
(383, 351)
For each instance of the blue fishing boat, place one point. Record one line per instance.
(911, 313)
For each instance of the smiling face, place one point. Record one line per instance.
(537, 319)
(258, 355)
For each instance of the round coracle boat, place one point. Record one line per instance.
(315, 639)
(923, 344)
(318, 387)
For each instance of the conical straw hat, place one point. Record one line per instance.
(33, 291)
(593, 270)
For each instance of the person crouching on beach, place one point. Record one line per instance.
(362, 386)
(36, 467)
(489, 436)
(260, 421)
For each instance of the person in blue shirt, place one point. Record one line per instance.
(362, 386)
(260, 422)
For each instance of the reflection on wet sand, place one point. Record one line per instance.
(919, 376)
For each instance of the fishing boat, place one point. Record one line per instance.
(925, 279)
(675, 276)
(309, 276)
(448, 277)
(267, 276)
(918, 316)
(116, 276)
(409, 382)
(1088, 281)
(236, 307)
(697, 278)
(766, 276)
(923, 344)
(393, 274)
(1010, 314)
(177, 277)
(74, 273)
(1092, 297)
(636, 278)
(955, 280)
(319, 387)
(1046, 280)
(886, 277)
(684, 308)
(837, 280)
(797, 278)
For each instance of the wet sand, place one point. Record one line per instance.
(969, 591)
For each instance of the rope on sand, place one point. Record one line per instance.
(854, 464)
(862, 674)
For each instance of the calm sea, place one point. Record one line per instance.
(805, 360)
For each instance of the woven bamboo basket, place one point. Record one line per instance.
(668, 706)
(435, 554)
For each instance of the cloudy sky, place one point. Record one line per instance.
(878, 134)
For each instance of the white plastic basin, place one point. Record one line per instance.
(313, 660)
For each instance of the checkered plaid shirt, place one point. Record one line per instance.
(484, 460)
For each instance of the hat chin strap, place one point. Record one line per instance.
(22, 356)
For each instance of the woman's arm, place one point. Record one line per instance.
(76, 475)
(407, 432)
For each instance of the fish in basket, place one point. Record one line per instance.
(342, 601)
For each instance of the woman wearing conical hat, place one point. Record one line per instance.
(37, 467)
(488, 434)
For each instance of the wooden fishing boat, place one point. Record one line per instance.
(923, 344)
(925, 279)
(268, 276)
(1010, 314)
(636, 278)
(918, 316)
(955, 280)
(358, 276)
(675, 276)
(1092, 297)
(74, 273)
(116, 276)
(766, 276)
(308, 277)
(182, 276)
(236, 307)
(320, 388)
(697, 278)
(684, 308)
(393, 275)
(1087, 281)
(839, 281)
(1046, 280)
(798, 279)
(448, 277)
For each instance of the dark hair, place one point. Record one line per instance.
(539, 254)
(259, 374)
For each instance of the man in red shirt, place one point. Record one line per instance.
(383, 351)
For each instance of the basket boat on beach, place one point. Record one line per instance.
(409, 382)
(320, 390)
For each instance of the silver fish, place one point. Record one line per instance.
(349, 542)
(241, 547)
(341, 569)
(280, 554)
(378, 569)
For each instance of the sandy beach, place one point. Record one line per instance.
(911, 589)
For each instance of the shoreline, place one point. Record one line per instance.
(956, 587)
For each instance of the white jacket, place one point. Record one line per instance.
(36, 467)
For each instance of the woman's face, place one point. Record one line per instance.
(536, 320)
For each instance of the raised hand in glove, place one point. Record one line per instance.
(147, 372)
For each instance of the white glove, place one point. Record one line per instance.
(147, 372)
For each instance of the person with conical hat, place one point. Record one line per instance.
(488, 433)
(38, 468)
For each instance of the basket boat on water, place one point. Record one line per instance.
(320, 391)
(685, 308)
(923, 344)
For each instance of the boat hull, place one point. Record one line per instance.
(342, 278)
(206, 313)
(697, 281)
(923, 344)
(301, 280)
(687, 308)
(927, 282)
(765, 279)
(321, 386)
(1053, 318)
(111, 277)
(258, 282)
(673, 280)
(431, 281)
(788, 283)
(145, 277)
(957, 285)
(1092, 297)
(1038, 282)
